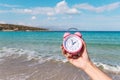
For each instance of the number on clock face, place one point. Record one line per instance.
(73, 43)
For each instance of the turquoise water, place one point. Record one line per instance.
(103, 47)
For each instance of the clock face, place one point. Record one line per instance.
(72, 43)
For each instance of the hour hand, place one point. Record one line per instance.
(73, 42)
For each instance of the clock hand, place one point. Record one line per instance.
(74, 42)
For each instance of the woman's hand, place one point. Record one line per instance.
(81, 61)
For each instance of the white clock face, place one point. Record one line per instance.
(73, 43)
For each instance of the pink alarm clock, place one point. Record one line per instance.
(72, 43)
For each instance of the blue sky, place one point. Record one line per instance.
(98, 15)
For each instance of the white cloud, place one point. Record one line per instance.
(73, 11)
(33, 17)
(5, 11)
(67, 17)
(109, 7)
(9, 6)
(51, 18)
(23, 11)
(50, 13)
(27, 10)
(113, 6)
(43, 10)
(35, 11)
(60, 8)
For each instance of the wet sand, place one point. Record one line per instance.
(23, 69)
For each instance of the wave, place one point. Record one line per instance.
(108, 67)
(28, 55)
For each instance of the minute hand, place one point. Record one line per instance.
(74, 42)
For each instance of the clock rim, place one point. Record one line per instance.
(75, 52)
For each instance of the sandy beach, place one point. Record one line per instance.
(20, 68)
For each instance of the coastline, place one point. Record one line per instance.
(14, 27)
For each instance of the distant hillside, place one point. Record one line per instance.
(13, 27)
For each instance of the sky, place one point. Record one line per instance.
(85, 15)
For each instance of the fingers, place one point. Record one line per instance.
(63, 51)
(84, 44)
(84, 50)
(67, 55)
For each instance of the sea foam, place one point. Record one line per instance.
(33, 55)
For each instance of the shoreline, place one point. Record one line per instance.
(20, 67)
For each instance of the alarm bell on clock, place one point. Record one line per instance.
(72, 43)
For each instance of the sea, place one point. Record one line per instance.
(36, 55)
